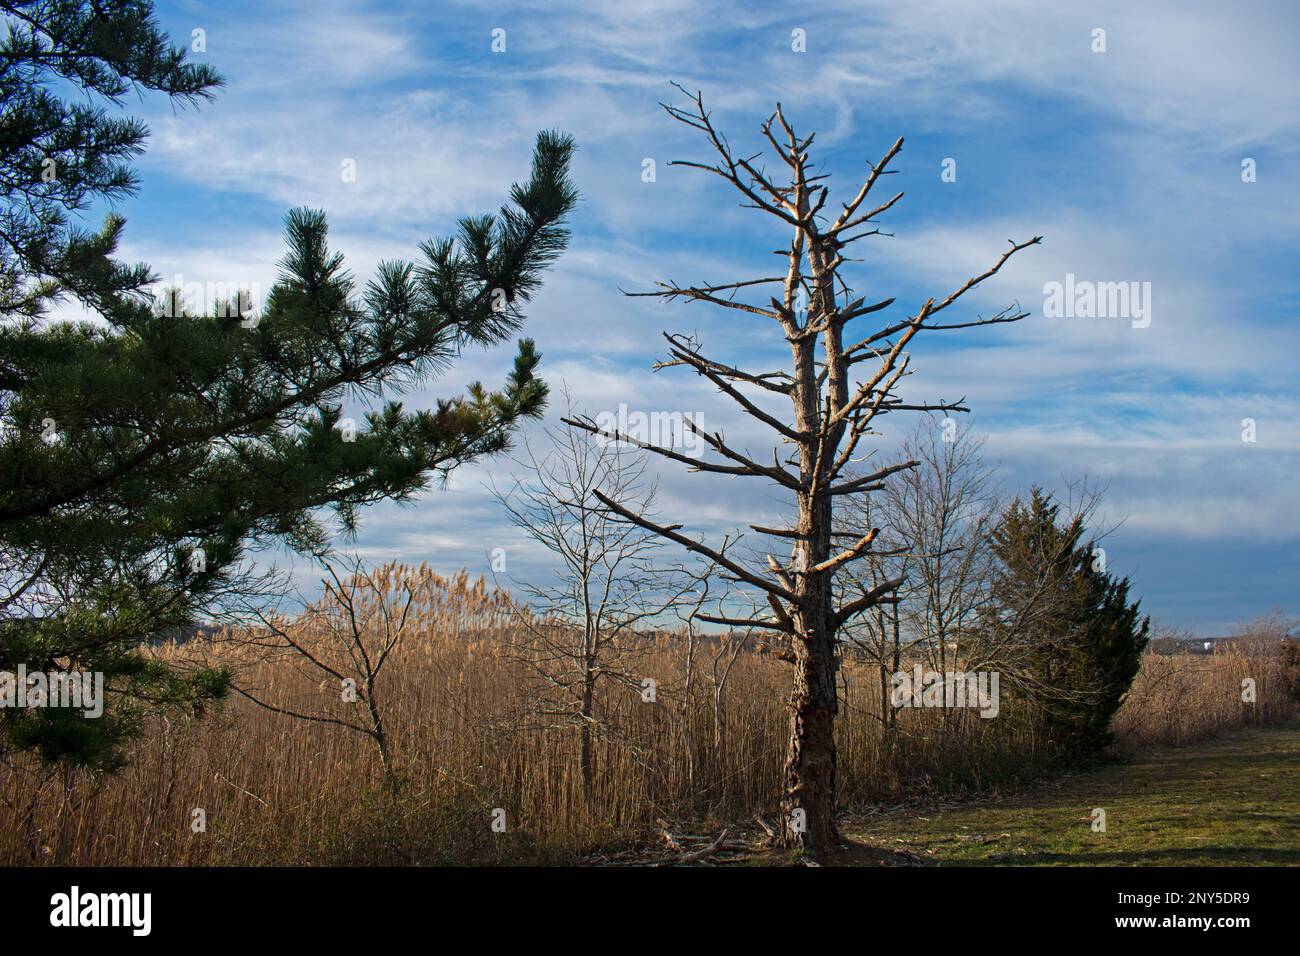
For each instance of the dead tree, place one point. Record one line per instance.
(837, 386)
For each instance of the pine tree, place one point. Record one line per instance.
(60, 155)
(143, 455)
(1068, 635)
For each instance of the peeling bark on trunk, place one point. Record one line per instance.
(810, 779)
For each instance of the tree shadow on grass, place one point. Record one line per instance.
(857, 853)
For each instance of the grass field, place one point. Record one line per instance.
(1234, 800)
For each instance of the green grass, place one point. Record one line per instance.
(1235, 800)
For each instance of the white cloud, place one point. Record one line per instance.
(1127, 162)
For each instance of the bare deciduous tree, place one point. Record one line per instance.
(935, 520)
(723, 652)
(347, 636)
(581, 629)
(944, 510)
(837, 385)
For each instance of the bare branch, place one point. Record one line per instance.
(717, 557)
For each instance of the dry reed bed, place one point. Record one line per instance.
(467, 737)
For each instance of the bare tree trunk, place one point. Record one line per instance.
(378, 733)
(586, 716)
(719, 739)
(719, 750)
(891, 723)
(684, 716)
(833, 410)
(809, 801)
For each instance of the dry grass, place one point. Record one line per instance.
(1182, 699)
(467, 737)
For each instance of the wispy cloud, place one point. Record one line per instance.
(1127, 161)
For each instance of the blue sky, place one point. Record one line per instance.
(1128, 162)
